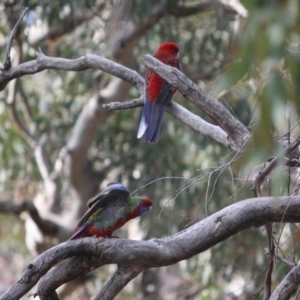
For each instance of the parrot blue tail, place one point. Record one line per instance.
(151, 121)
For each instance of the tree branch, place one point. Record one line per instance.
(7, 63)
(237, 132)
(185, 116)
(288, 285)
(156, 252)
(89, 61)
(117, 282)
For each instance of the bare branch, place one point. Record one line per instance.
(237, 132)
(288, 285)
(89, 61)
(193, 121)
(155, 252)
(284, 260)
(124, 105)
(7, 63)
(117, 282)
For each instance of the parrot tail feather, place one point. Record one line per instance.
(78, 232)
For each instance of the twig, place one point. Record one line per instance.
(7, 62)
(286, 261)
(124, 105)
(256, 293)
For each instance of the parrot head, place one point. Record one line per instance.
(145, 204)
(169, 48)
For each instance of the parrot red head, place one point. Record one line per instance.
(170, 48)
(145, 205)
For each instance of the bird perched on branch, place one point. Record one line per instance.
(110, 210)
(158, 93)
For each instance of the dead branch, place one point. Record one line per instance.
(89, 61)
(288, 285)
(91, 253)
(7, 62)
(188, 118)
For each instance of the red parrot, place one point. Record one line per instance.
(158, 93)
(110, 210)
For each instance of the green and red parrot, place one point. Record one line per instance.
(110, 210)
(158, 93)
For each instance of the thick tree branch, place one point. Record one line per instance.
(88, 61)
(237, 132)
(156, 252)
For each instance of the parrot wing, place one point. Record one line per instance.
(101, 201)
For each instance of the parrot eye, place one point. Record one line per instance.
(147, 202)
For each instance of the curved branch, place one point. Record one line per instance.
(156, 252)
(188, 118)
(237, 132)
(195, 122)
(89, 61)
(7, 63)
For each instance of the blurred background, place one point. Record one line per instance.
(59, 147)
